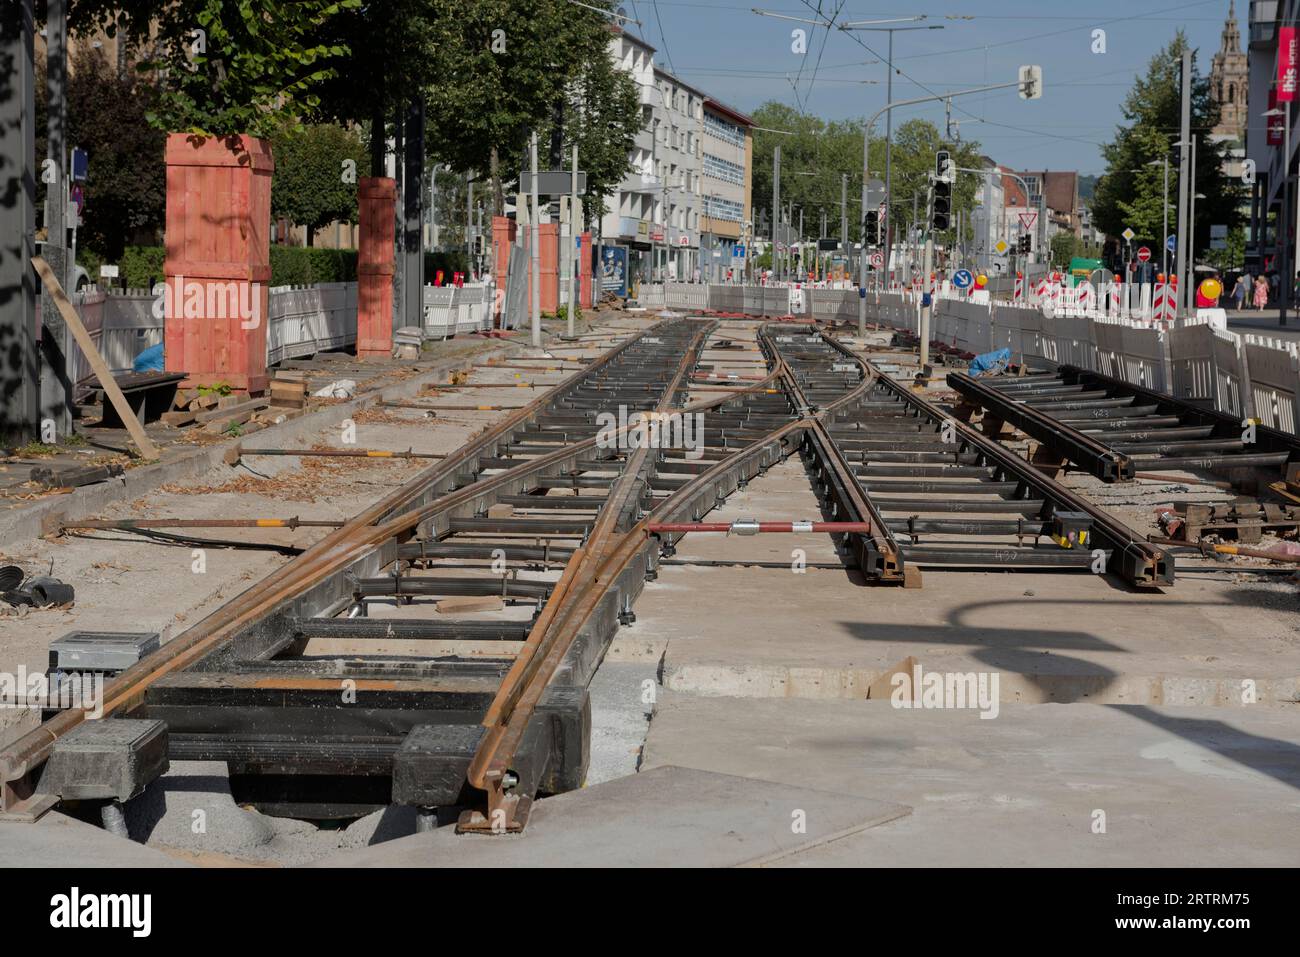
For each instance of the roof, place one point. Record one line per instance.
(719, 107)
(618, 31)
(1060, 188)
(680, 82)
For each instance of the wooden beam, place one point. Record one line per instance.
(142, 441)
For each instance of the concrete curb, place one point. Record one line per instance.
(25, 523)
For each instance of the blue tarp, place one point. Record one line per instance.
(151, 360)
(990, 362)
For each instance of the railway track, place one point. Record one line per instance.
(1113, 430)
(332, 688)
(911, 467)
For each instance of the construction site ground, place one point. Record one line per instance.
(1131, 727)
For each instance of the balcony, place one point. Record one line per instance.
(644, 140)
(649, 95)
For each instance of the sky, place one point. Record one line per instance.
(744, 59)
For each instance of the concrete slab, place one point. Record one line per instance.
(1178, 787)
(1053, 636)
(671, 817)
(57, 840)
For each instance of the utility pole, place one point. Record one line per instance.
(469, 223)
(776, 201)
(535, 251)
(20, 374)
(412, 312)
(56, 388)
(571, 255)
(1184, 142)
(844, 214)
(927, 293)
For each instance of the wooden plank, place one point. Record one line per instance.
(97, 364)
(230, 412)
(178, 418)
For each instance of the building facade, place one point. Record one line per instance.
(1265, 136)
(674, 199)
(726, 169)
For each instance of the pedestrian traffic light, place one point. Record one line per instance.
(871, 228)
(942, 206)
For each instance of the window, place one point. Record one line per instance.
(724, 170)
(729, 132)
(715, 207)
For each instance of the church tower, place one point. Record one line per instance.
(1228, 80)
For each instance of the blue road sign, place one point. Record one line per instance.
(1171, 244)
(962, 278)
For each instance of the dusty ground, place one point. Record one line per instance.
(1109, 699)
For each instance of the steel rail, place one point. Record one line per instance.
(1085, 451)
(1139, 563)
(336, 551)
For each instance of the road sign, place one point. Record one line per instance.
(877, 260)
(1144, 254)
(555, 182)
(1128, 235)
(1000, 247)
(1031, 82)
(1027, 220)
(962, 278)
(1171, 244)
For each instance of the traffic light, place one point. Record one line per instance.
(871, 228)
(942, 207)
(1025, 244)
(943, 168)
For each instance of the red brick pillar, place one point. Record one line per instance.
(548, 235)
(503, 237)
(218, 265)
(584, 272)
(376, 255)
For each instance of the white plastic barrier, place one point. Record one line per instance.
(305, 320)
(439, 315)
(1209, 364)
(686, 295)
(1274, 371)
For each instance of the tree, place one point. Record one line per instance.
(602, 114)
(227, 66)
(1064, 247)
(309, 186)
(125, 189)
(829, 150)
(1131, 192)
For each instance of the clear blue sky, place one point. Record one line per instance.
(745, 59)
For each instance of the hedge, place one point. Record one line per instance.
(142, 266)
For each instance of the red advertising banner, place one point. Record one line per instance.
(1288, 62)
(1276, 129)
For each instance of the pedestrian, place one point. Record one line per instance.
(1261, 292)
(1239, 291)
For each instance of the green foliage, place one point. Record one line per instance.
(141, 267)
(1131, 193)
(126, 185)
(308, 186)
(218, 389)
(1064, 247)
(302, 266)
(1233, 257)
(829, 150)
(252, 63)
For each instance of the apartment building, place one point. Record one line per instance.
(726, 167)
(670, 203)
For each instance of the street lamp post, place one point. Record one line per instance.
(866, 134)
(872, 26)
